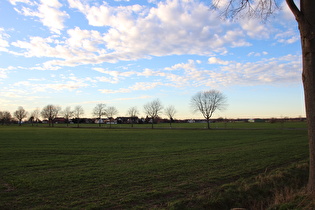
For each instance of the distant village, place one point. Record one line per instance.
(50, 115)
(147, 120)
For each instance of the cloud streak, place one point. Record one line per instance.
(284, 70)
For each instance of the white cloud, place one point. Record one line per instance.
(256, 29)
(189, 65)
(108, 79)
(81, 47)
(136, 87)
(287, 37)
(104, 15)
(55, 83)
(4, 44)
(172, 27)
(37, 79)
(135, 32)
(85, 40)
(257, 54)
(115, 73)
(13, 2)
(101, 70)
(274, 71)
(46, 47)
(48, 12)
(215, 60)
(146, 85)
(51, 16)
(5, 71)
(114, 76)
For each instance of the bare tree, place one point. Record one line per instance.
(207, 103)
(1, 117)
(153, 109)
(77, 113)
(170, 111)
(132, 113)
(99, 111)
(5, 117)
(110, 113)
(50, 112)
(35, 114)
(304, 15)
(20, 114)
(67, 114)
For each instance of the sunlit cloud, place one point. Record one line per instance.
(48, 12)
(136, 87)
(214, 60)
(257, 54)
(186, 27)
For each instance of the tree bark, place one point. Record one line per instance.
(208, 122)
(306, 26)
(306, 21)
(308, 76)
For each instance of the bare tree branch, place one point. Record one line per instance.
(232, 9)
(207, 103)
(153, 109)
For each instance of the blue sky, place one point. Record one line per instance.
(128, 53)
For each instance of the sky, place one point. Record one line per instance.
(126, 53)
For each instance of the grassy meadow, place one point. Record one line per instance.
(217, 125)
(63, 168)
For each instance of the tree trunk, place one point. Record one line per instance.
(208, 123)
(309, 93)
(308, 52)
(306, 21)
(306, 26)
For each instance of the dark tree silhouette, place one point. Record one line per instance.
(50, 112)
(207, 103)
(20, 114)
(153, 109)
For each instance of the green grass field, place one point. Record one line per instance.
(60, 168)
(218, 125)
